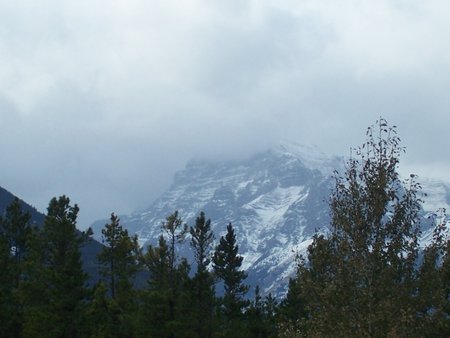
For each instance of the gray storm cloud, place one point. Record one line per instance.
(104, 101)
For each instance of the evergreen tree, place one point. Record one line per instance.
(166, 304)
(226, 264)
(54, 292)
(293, 313)
(178, 272)
(203, 293)
(157, 263)
(176, 232)
(260, 317)
(15, 229)
(201, 242)
(102, 315)
(7, 301)
(14, 235)
(270, 311)
(360, 280)
(154, 311)
(119, 259)
(34, 291)
(254, 317)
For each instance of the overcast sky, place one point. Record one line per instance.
(104, 100)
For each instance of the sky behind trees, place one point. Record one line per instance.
(104, 100)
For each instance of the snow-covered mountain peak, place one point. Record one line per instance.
(276, 200)
(311, 156)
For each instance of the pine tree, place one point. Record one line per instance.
(14, 235)
(360, 280)
(15, 228)
(292, 313)
(270, 311)
(7, 301)
(101, 315)
(176, 232)
(119, 260)
(54, 292)
(157, 263)
(201, 242)
(226, 264)
(260, 317)
(154, 312)
(203, 293)
(254, 317)
(165, 302)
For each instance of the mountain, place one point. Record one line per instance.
(6, 198)
(89, 250)
(435, 202)
(276, 200)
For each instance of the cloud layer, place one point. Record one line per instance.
(105, 100)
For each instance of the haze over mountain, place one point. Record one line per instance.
(276, 200)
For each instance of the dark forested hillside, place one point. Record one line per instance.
(89, 250)
(6, 199)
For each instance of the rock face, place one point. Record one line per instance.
(275, 200)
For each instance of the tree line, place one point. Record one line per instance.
(367, 277)
(44, 290)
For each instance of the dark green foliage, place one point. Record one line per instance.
(201, 241)
(434, 285)
(202, 285)
(156, 260)
(102, 315)
(47, 286)
(119, 258)
(15, 230)
(176, 233)
(119, 265)
(154, 312)
(34, 291)
(293, 312)
(166, 302)
(10, 318)
(14, 235)
(260, 317)
(53, 292)
(226, 264)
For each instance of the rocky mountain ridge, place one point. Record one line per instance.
(276, 201)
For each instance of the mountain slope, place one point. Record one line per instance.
(276, 200)
(436, 202)
(89, 250)
(6, 198)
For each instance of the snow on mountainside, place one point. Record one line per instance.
(437, 200)
(437, 194)
(275, 200)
